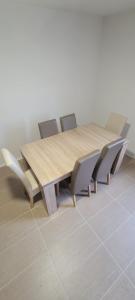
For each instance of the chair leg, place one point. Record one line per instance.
(31, 202)
(74, 200)
(89, 190)
(30, 198)
(108, 179)
(95, 186)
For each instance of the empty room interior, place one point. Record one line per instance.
(67, 149)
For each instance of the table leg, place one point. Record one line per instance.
(49, 197)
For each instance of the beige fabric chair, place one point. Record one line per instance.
(116, 123)
(27, 178)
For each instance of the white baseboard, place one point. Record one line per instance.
(130, 154)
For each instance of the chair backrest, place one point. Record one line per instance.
(48, 128)
(116, 123)
(105, 162)
(68, 122)
(82, 173)
(119, 158)
(125, 130)
(13, 164)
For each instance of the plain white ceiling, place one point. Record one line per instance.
(101, 7)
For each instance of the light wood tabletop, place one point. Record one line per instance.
(53, 158)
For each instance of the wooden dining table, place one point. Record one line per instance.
(52, 159)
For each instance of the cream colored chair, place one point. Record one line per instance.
(27, 178)
(116, 123)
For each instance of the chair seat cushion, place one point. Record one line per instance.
(34, 183)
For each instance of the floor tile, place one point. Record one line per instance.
(89, 207)
(16, 258)
(11, 189)
(58, 229)
(122, 290)
(127, 200)
(12, 210)
(126, 161)
(71, 253)
(37, 282)
(130, 169)
(76, 265)
(5, 172)
(119, 184)
(40, 214)
(131, 271)
(122, 243)
(92, 279)
(108, 220)
(15, 230)
(65, 200)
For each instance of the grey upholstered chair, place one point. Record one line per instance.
(27, 178)
(68, 122)
(48, 128)
(82, 173)
(119, 158)
(104, 165)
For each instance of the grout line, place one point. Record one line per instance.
(36, 225)
(121, 194)
(26, 268)
(102, 209)
(74, 231)
(21, 238)
(50, 255)
(116, 281)
(21, 272)
(53, 217)
(15, 218)
(85, 222)
(117, 229)
(122, 271)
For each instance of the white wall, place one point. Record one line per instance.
(116, 80)
(48, 67)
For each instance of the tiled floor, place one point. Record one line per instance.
(83, 253)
